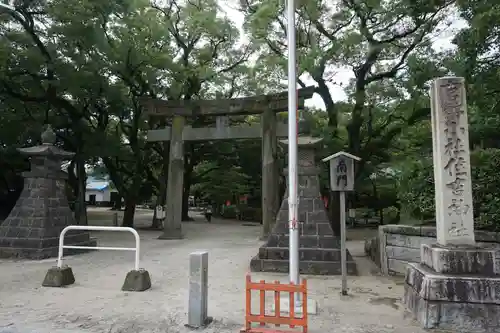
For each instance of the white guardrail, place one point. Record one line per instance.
(96, 228)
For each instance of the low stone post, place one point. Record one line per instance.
(198, 290)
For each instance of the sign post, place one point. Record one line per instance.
(342, 180)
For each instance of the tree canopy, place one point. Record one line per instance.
(84, 66)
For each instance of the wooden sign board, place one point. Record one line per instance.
(341, 171)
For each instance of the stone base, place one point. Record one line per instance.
(459, 260)
(207, 322)
(27, 248)
(58, 277)
(308, 267)
(137, 281)
(460, 303)
(312, 306)
(171, 234)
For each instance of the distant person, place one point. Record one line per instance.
(208, 213)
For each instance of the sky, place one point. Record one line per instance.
(343, 75)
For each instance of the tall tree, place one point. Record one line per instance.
(374, 39)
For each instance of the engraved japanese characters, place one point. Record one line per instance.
(454, 213)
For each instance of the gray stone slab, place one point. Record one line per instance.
(282, 253)
(403, 253)
(452, 288)
(453, 316)
(401, 229)
(459, 260)
(414, 242)
(396, 266)
(305, 267)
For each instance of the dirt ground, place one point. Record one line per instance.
(95, 302)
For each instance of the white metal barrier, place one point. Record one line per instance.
(96, 228)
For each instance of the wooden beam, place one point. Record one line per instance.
(216, 133)
(236, 106)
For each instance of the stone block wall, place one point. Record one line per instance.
(397, 245)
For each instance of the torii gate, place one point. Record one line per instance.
(268, 129)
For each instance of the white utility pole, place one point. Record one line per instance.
(292, 147)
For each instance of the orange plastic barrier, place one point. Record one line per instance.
(277, 319)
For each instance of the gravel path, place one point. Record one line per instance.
(96, 304)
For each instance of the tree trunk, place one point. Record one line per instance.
(381, 216)
(80, 206)
(161, 200)
(188, 171)
(128, 214)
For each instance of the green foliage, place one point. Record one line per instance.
(218, 183)
(416, 187)
(485, 185)
(242, 212)
(85, 65)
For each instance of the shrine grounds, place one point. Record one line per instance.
(95, 302)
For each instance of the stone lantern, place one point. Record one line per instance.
(33, 226)
(319, 252)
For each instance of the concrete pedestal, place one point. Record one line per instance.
(137, 281)
(456, 289)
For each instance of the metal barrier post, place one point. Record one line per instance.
(136, 280)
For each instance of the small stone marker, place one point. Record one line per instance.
(198, 290)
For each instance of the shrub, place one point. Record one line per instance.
(416, 188)
(243, 212)
(229, 212)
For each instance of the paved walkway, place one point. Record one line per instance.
(96, 304)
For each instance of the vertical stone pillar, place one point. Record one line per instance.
(198, 290)
(452, 288)
(172, 228)
(452, 173)
(270, 179)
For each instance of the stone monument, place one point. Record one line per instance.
(32, 229)
(456, 285)
(319, 252)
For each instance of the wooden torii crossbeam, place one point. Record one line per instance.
(268, 129)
